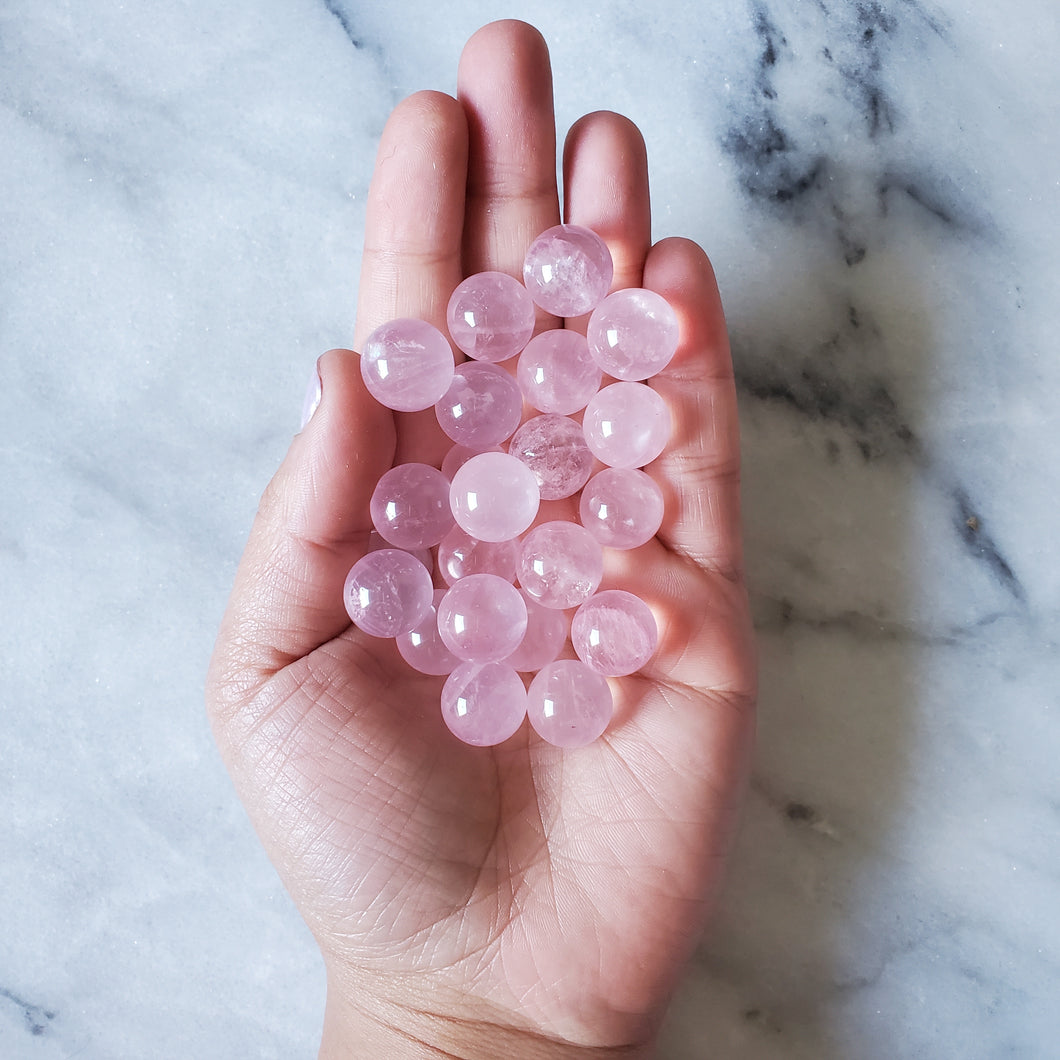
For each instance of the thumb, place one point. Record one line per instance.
(312, 525)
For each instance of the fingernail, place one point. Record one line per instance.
(312, 396)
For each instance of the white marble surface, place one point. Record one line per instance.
(181, 190)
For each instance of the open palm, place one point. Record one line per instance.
(557, 893)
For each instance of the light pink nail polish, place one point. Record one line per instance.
(312, 396)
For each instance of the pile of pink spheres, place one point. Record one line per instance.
(478, 509)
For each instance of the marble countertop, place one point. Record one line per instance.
(181, 197)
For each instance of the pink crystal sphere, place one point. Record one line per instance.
(387, 593)
(494, 497)
(460, 554)
(568, 270)
(407, 365)
(546, 633)
(621, 507)
(614, 633)
(422, 647)
(490, 316)
(483, 704)
(561, 564)
(482, 618)
(568, 704)
(555, 450)
(482, 406)
(410, 506)
(633, 334)
(557, 373)
(626, 425)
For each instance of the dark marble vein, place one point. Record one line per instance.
(982, 547)
(336, 9)
(37, 1019)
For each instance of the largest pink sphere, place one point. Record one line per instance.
(407, 365)
(494, 497)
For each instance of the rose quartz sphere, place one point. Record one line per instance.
(407, 365)
(633, 334)
(614, 633)
(482, 406)
(460, 554)
(483, 704)
(387, 593)
(494, 497)
(626, 425)
(482, 618)
(568, 270)
(621, 507)
(561, 564)
(490, 316)
(422, 647)
(555, 450)
(410, 506)
(568, 704)
(557, 373)
(546, 633)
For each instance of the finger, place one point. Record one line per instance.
(505, 85)
(312, 525)
(700, 470)
(412, 240)
(605, 179)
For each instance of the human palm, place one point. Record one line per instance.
(555, 893)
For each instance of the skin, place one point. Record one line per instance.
(518, 900)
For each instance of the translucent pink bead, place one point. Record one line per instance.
(621, 507)
(494, 497)
(626, 425)
(561, 564)
(482, 406)
(557, 373)
(483, 704)
(490, 316)
(387, 593)
(633, 334)
(555, 450)
(568, 270)
(614, 633)
(482, 618)
(410, 506)
(568, 704)
(422, 647)
(460, 555)
(546, 633)
(407, 365)
(459, 455)
(376, 541)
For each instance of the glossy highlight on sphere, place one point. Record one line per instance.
(633, 334)
(490, 316)
(407, 365)
(494, 497)
(626, 425)
(561, 564)
(483, 705)
(482, 406)
(387, 593)
(557, 373)
(422, 647)
(568, 270)
(614, 633)
(482, 618)
(410, 506)
(555, 450)
(621, 507)
(568, 704)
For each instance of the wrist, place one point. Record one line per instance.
(365, 1027)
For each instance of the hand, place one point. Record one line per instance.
(517, 900)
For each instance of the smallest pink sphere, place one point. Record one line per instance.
(490, 316)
